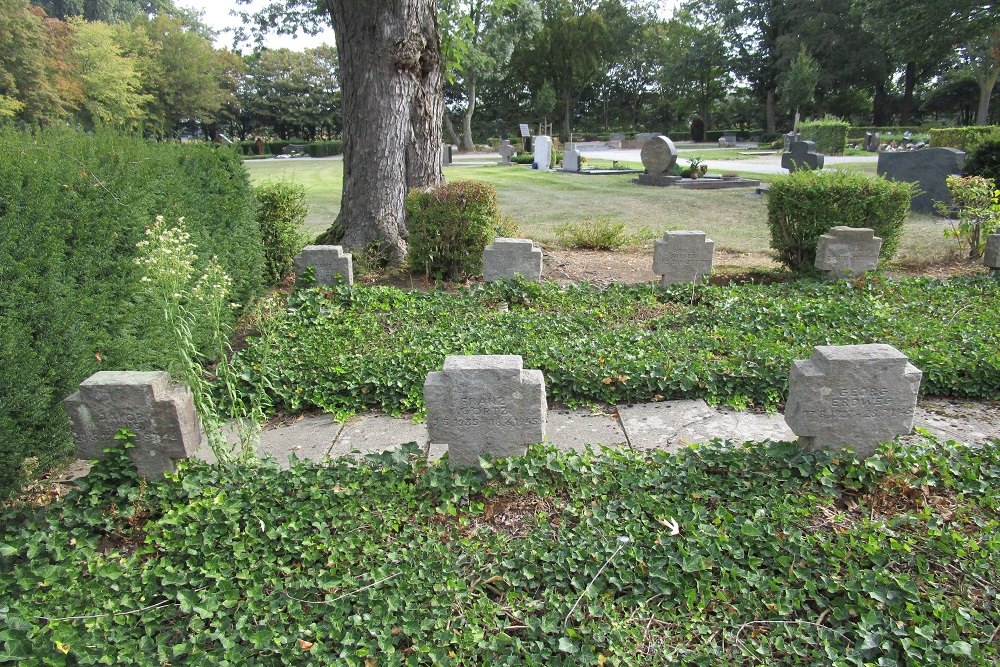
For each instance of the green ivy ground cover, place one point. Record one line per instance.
(346, 350)
(753, 555)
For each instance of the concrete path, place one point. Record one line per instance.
(668, 425)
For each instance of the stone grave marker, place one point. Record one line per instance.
(616, 136)
(658, 156)
(328, 262)
(446, 156)
(873, 140)
(929, 168)
(646, 136)
(852, 396)
(847, 251)
(991, 257)
(506, 258)
(790, 138)
(543, 153)
(485, 404)
(571, 158)
(683, 257)
(803, 155)
(727, 140)
(161, 415)
(506, 152)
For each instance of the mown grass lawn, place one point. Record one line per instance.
(540, 202)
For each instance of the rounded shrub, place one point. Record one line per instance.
(804, 205)
(984, 159)
(449, 226)
(280, 214)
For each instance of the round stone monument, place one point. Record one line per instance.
(658, 156)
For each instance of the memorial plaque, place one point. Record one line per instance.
(683, 257)
(329, 263)
(507, 258)
(848, 251)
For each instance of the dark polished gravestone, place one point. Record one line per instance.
(929, 168)
(658, 156)
(803, 155)
(159, 413)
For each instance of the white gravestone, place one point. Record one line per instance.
(161, 415)
(852, 396)
(847, 251)
(543, 152)
(571, 158)
(506, 258)
(683, 257)
(328, 262)
(506, 152)
(485, 405)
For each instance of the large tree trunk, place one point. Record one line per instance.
(880, 104)
(909, 83)
(986, 85)
(390, 74)
(769, 115)
(470, 91)
(449, 129)
(567, 118)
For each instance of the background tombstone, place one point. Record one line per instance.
(848, 251)
(991, 257)
(873, 140)
(658, 156)
(645, 136)
(790, 138)
(485, 405)
(506, 152)
(616, 136)
(571, 158)
(683, 257)
(929, 168)
(543, 152)
(161, 415)
(728, 140)
(446, 156)
(852, 396)
(328, 262)
(506, 258)
(803, 155)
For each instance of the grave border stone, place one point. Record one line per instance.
(847, 251)
(683, 256)
(507, 257)
(327, 261)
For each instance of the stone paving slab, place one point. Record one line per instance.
(971, 422)
(672, 425)
(574, 429)
(309, 437)
(374, 433)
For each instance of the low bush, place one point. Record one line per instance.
(449, 226)
(326, 148)
(523, 158)
(961, 138)
(983, 158)
(72, 208)
(804, 205)
(830, 135)
(602, 233)
(344, 351)
(720, 555)
(280, 214)
(974, 204)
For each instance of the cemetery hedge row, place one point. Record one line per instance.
(830, 135)
(804, 205)
(72, 208)
(346, 350)
(961, 138)
(759, 554)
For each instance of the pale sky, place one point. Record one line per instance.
(215, 13)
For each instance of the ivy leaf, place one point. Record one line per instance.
(959, 648)
(567, 645)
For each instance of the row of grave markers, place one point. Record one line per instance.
(852, 396)
(678, 257)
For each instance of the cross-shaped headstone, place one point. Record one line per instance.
(506, 152)
(803, 155)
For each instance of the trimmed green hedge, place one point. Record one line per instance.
(804, 205)
(858, 131)
(961, 138)
(830, 135)
(315, 148)
(72, 207)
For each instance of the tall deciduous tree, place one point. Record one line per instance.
(799, 85)
(391, 86)
(110, 81)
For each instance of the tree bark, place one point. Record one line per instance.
(986, 85)
(449, 129)
(391, 105)
(880, 102)
(769, 116)
(909, 83)
(470, 91)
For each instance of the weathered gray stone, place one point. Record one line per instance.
(991, 257)
(506, 152)
(445, 155)
(929, 168)
(847, 251)
(485, 405)
(161, 415)
(646, 136)
(852, 396)
(727, 140)
(328, 262)
(543, 153)
(616, 136)
(790, 138)
(873, 140)
(683, 257)
(802, 155)
(658, 155)
(571, 158)
(506, 258)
